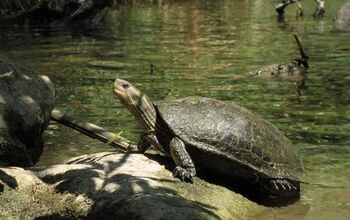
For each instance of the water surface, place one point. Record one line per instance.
(205, 48)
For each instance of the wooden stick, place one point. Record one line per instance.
(92, 131)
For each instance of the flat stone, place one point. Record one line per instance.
(112, 185)
(133, 186)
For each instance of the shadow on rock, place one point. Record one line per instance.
(125, 186)
(249, 190)
(8, 180)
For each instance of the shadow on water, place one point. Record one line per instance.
(120, 194)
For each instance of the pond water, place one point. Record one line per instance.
(205, 48)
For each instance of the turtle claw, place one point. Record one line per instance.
(282, 184)
(275, 185)
(291, 186)
(283, 187)
(183, 174)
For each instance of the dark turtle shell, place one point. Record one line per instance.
(231, 139)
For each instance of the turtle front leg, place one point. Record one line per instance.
(184, 169)
(145, 142)
(142, 145)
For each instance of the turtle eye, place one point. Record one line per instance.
(126, 86)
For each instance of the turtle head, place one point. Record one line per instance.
(137, 103)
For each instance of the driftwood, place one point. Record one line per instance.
(281, 6)
(319, 12)
(320, 9)
(93, 131)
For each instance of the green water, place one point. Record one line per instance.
(205, 48)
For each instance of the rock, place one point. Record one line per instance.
(16, 177)
(115, 186)
(342, 20)
(279, 71)
(297, 67)
(26, 102)
(132, 186)
(25, 196)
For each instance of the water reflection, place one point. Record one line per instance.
(204, 48)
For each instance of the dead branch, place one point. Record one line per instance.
(320, 9)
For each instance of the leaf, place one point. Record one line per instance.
(114, 137)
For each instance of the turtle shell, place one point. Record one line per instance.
(231, 139)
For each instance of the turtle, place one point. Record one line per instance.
(205, 133)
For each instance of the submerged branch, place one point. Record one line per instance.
(92, 131)
(304, 57)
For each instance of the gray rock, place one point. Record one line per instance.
(115, 186)
(342, 20)
(16, 177)
(25, 196)
(132, 186)
(298, 67)
(26, 102)
(279, 71)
